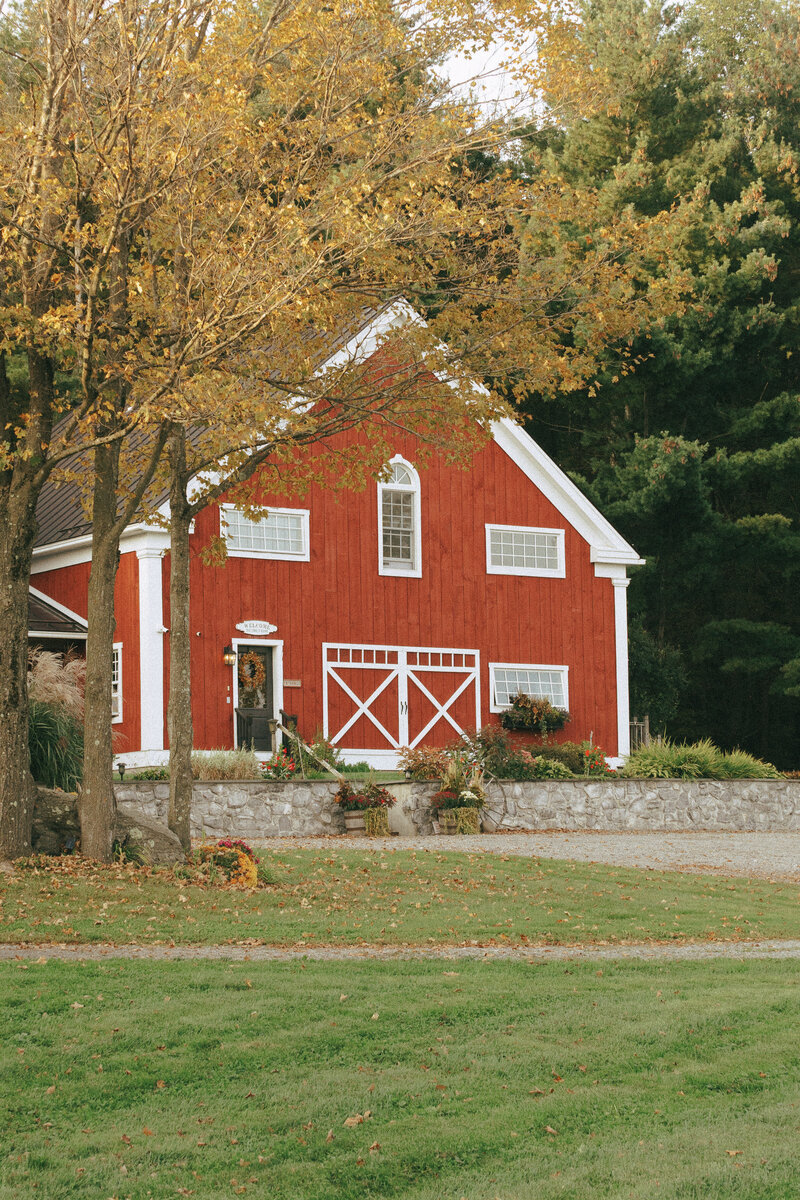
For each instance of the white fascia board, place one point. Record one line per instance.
(79, 550)
(607, 546)
(62, 608)
(363, 344)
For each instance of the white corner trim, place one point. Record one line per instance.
(151, 647)
(606, 544)
(557, 572)
(621, 639)
(79, 550)
(62, 608)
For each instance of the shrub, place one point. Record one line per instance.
(424, 762)
(324, 751)
(56, 745)
(700, 760)
(159, 774)
(225, 764)
(280, 766)
(55, 717)
(571, 754)
(540, 767)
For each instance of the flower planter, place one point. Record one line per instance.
(354, 823)
(448, 822)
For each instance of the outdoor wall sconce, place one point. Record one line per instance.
(229, 656)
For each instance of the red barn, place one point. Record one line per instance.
(392, 617)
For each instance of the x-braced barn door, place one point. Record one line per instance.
(385, 697)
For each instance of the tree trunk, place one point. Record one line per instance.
(20, 486)
(97, 797)
(16, 792)
(180, 699)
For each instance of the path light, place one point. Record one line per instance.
(122, 768)
(229, 656)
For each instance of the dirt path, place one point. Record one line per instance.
(650, 952)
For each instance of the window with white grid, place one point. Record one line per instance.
(520, 550)
(116, 682)
(399, 521)
(507, 679)
(281, 533)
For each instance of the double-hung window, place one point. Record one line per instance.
(507, 679)
(523, 550)
(281, 533)
(116, 683)
(399, 544)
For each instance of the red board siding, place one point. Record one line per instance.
(70, 586)
(339, 597)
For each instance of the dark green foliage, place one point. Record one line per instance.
(569, 753)
(155, 773)
(695, 455)
(56, 746)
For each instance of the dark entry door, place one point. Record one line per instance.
(254, 706)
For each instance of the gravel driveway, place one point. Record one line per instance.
(761, 855)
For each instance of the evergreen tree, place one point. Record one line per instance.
(694, 454)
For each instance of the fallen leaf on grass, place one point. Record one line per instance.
(375, 1147)
(733, 1153)
(329, 1138)
(549, 1129)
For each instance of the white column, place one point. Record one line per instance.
(151, 649)
(621, 638)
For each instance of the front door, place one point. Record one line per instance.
(254, 697)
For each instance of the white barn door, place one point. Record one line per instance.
(377, 699)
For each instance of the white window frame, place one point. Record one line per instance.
(117, 653)
(303, 513)
(415, 569)
(498, 708)
(558, 572)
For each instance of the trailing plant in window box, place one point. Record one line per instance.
(534, 713)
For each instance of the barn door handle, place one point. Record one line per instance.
(403, 707)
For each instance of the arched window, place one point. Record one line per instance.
(399, 547)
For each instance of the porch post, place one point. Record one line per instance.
(621, 639)
(151, 649)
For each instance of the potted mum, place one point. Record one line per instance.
(366, 809)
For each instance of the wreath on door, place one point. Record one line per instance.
(252, 672)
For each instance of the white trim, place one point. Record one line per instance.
(151, 646)
(303, 513)
(64, 637)
(561, 667)
(606, 544)
(62, 608)
(415, 570)
(621, 638)
(396, 666)
(117, 649)
(277, 677)
(79, 550)
(558, 572)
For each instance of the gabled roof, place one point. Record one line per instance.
(62, 518)
(48, 618)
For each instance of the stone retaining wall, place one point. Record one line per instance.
(306, 808)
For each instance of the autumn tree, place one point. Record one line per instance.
(197, 198)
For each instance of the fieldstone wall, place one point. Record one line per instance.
(307, 808)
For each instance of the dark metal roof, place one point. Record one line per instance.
(45, 618)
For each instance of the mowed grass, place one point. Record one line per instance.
(473, 1081)
(408, 898)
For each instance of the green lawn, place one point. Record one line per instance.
(348, 897)
(475, 1081)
